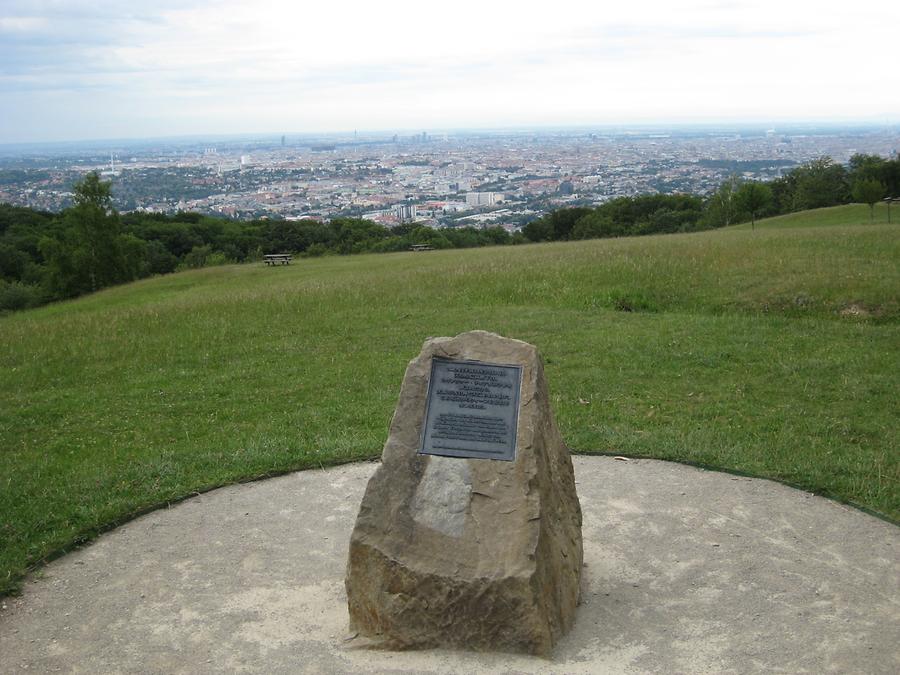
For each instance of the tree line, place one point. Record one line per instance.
(818, 183)
(822, 182)
(52, 256)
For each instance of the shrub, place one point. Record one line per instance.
(196, 258)
(16, 295)
(217, 258)
(316, 250)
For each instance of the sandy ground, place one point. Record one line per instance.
(686, 571)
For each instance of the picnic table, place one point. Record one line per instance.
(277, 259)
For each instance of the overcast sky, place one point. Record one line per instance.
(136, 68)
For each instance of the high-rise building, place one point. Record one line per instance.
(405, 212)
(483, 198)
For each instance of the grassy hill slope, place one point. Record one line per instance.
(772, 352)
(850, 214)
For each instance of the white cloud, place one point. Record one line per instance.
(21, 24)
(276, 65)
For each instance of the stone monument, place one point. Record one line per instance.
(469, 533)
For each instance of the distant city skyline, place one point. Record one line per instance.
(108, 70)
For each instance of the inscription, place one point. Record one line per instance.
(451, 427)
(472, 410)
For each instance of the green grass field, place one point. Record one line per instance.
(773, 352)
(852, 214)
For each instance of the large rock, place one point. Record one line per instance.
(473, 553)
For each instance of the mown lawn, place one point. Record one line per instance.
(773, 352)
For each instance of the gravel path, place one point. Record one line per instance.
(686, 571)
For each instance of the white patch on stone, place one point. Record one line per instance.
(443, 495)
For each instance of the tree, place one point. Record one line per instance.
(563, 220)
(664, 220)
(96, 229)
(783, 190)
(753, 197)
(495, 236)
(540, 229)
(92, 192)
(429, 236)
(866, 166)
(92, 252)
(721, 207)
(868, 191)
(886, 171)
(820, 183)
(594, 225)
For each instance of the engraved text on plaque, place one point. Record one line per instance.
(472, 410)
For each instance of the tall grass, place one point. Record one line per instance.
(773, 352)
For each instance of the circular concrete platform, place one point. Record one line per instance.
(686, 571)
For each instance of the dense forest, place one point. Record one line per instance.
(53, 256)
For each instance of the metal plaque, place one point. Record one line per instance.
(472, 410)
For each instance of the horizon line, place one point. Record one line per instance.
(724, 124)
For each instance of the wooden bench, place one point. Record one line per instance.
(421, 247)
(277, 259)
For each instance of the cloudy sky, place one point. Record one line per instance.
(96, 69)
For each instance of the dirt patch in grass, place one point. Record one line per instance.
(856, 310)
